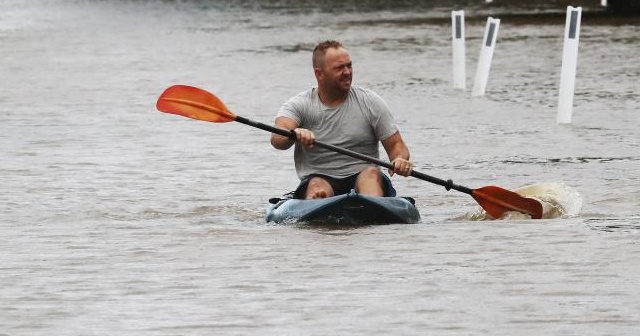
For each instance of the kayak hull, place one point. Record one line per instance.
(347, 209)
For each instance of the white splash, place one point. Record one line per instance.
(557, 199)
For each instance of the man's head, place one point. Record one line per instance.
(332, 66)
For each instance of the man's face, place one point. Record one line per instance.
(338, 71)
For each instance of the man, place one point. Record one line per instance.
(343, 115)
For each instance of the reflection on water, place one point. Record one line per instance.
(615, 225)
(388, 5)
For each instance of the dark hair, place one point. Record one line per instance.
(321, 49)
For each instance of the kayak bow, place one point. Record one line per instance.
(346, 209)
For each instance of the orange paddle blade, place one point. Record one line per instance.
(194, 103)
(496, 201)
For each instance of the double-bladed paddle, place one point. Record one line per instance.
(195, 103)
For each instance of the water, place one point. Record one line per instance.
(119, 220)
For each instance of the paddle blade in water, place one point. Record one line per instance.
(194, 103)
(496, 201)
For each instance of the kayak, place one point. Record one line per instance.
(346, 209)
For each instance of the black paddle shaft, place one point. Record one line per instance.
(448, 184)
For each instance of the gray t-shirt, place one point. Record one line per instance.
(358, 124)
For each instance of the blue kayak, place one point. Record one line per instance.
(347, 209)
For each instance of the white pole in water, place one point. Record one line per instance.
(569, 64)
(486, 54)
(457, 35)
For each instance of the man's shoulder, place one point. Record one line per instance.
(365, 93)
(360, 89)
(301, 99)
(306, 94)
(299, 104)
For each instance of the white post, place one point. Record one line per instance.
(486, 54)
(603, 3)
(458, 38)
(569, 64)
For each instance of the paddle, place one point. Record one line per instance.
(195, 103)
